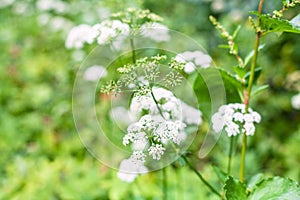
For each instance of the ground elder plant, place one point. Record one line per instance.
(160, 120)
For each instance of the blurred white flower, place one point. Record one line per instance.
(5, 3)
(79, 35)
(111, 30)
(78, 55)
(155, 31)
(55, 5)
(60, 24)
(190, 115)
(94, 73)
(193, 59)
(129, 169)
(296, 101)
(234, 119)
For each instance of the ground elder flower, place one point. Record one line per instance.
(234, 119)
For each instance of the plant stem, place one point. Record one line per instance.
(230, 155)
(165, 184)
(248, 92)
(133, 50)
(201, 177)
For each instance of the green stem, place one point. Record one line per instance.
(201, 177)
(133, 50)
(165, 184)
(156, 103)
(243, 156)
(230, 155)
(248, 92)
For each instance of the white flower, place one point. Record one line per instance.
(168, 131)
(234, 119)
(296, 101)
(190, 115)
(111, 30)
(155, 31)
(94, 73)
(129, 170)
(79, 35)
(249, 128)
(5, 3)
(156, 151)
(56, 5)
(193, 59)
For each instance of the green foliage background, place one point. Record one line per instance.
(41, 156)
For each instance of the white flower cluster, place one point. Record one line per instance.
(105, 32)
(234, 119)
(155, 31)
(113, 32)
(156, 129)
(193, 59)
(295, 101)
(132, 167)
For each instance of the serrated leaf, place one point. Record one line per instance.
(258, 89)
(235, 190)
(269, 24)
(257, 73)
(276, 188)
(250, 55)
(240, 71)
(215, 87)
(221, 175)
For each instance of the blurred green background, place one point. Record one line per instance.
(41, 156)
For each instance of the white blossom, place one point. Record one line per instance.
(111, 30)
(155, 31)
(193, 59)
(79, 35)
(56, 5)
(94, 73)
(129, 169)
(156, 151)
(295, 101)
(234, 119)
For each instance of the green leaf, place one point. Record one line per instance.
(235, 190)
(255, 180)
(258, 89)
(269, 24)
(250, 55)
(221, 175)
(276, 188)
(215, 87)
(240, 71)
(257, 73)
(236, 31)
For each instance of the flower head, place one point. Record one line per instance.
(234, 119)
